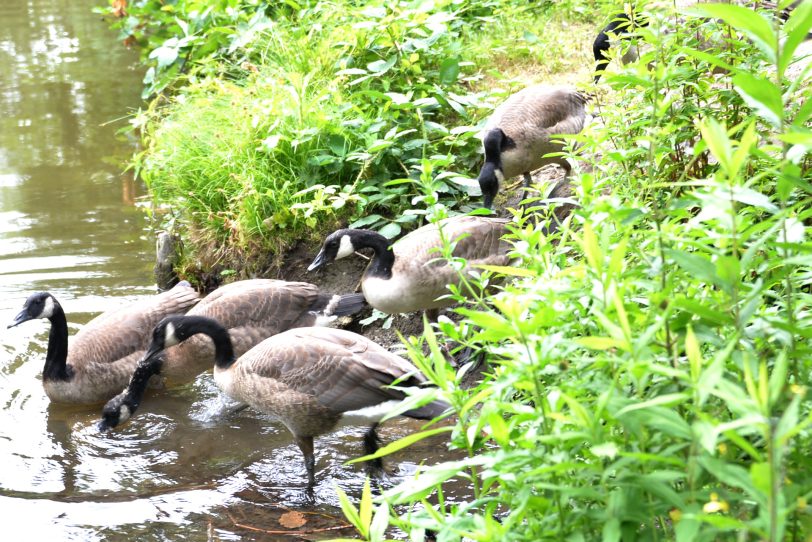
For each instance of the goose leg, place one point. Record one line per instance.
(306, 446)
(371, 444)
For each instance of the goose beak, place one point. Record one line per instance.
(20, 318)
(318, 261)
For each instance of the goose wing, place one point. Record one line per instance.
(477, 239)
(556, 110)
(123, 332)
(251, 311)
(343, 371)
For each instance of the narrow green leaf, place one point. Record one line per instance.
(694, 354)
(365, 508)
(670, 399)
(349, 510)
(507, 270)
(400, 444)
(600, 343)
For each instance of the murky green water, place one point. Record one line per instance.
(69, 224)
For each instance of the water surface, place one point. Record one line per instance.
(70, 224)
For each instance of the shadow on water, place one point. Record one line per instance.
(182, 469)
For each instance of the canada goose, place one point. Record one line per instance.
(251, 311)
(621, 26)
(521, 130)
(310, 379)
(410, 274)
(105, 352)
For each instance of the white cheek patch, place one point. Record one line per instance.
(345, 248)
(48, 309)
(499, 175)
(169, 335)
(124, 414)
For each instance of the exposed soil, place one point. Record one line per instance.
(344, 276)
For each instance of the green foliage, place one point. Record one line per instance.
(650, 364)
(302, 118)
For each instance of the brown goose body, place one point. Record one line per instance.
(250, 311)
(411, 274)
(104, 353)
(523, 129)
(310, 379)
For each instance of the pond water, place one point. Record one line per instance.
(70, 224)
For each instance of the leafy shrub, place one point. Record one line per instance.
(650, 368)
(326, 113)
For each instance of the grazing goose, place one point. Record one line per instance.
(410, 274)
(521, 130)
(620, 25)
(105, 352)
(310, 379)
(251, 311)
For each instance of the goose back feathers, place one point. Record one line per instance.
(250, 311)
(523, 129)
(104, 353)
(411, 274)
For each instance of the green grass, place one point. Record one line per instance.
(310, 126)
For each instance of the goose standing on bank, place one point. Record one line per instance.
(522, 130)
(251, 311)
(105, 352)
(312, 380)
(410, 274)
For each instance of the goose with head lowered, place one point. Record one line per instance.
(523, 129)
(411, 274)
(251, 311)
(312, 379)
(105, 352)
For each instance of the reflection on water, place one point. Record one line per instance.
(184, 469)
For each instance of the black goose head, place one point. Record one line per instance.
(338, 244)
(38, 305)
(117, 411)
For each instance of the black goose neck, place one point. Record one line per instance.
(383, 258)
(56, 359)
(223, 349)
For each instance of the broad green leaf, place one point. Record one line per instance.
(752, 24)
(611, 531)
(391, 230)
(762, 95)
(715, 137)
(797, 27)
(699, 267)
(449, 70)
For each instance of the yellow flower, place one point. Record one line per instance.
(676, 515)
(715, 505)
